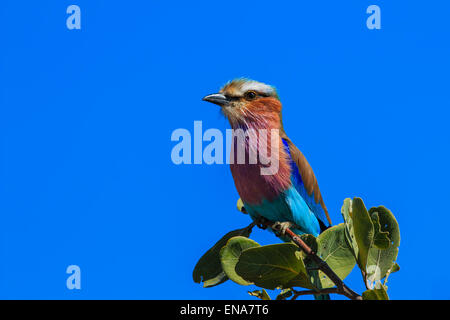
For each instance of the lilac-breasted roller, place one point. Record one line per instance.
(290, 196)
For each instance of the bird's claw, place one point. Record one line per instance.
(281, 227)
(261, 222)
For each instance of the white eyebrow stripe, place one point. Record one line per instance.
(256, 86)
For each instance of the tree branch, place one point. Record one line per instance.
(341, 287)
(307, 292)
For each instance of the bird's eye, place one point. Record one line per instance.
(250, 95)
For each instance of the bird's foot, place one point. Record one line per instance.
(281, 227)
(261, 222)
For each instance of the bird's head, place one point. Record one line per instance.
(243, 101)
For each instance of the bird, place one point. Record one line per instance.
(290, 197)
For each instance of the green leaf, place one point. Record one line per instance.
(381, 261)
(261, 294)
(381, 238)
(346, 211)
(274, 266)
(336, 252)
(209, 268)
(229, 256)
(363, 231)
(374, 237)
(393, 269)
(376, 294)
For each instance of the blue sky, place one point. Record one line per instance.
(86, 117)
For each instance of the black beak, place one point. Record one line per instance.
(217, 98)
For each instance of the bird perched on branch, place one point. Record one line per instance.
(289, 195)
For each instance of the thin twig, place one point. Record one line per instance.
(366, 281)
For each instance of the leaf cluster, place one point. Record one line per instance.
(368, 239)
